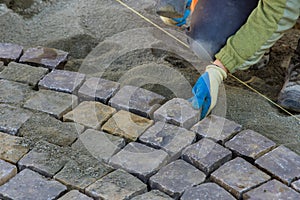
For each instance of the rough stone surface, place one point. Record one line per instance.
(137, 100)
(176, 177)
(140, 160)
(1, 66)
(250, 144)
(30, 185)
(296, 185)
(127, 125)
(178, 112)
(12, 118)
(238, 176)
(12, 148)
(272, 190)
(7, 171)
(52, 102)
(10, 52)
(172, 139)
(117, 185)
(100, 145)
(90, 114)
(45, 57)
(98, 89)
(23, 73)
(74, 195)
(206, 155)
(153, 194)
(62, 81)
(282, 163)
(207, 191)
(216, 128)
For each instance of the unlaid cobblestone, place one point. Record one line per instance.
(7, 171)
(176, 177)
(75, 195)
(282, 163)
(178, 112)
(10, 52)
(296, 185)
(30, 185)
(153, 194)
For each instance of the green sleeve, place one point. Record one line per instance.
(265, 25)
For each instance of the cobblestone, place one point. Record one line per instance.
(10, 52)
(296, 185)
(176, 177)
(127, 125)
(216, 128)
(31, 186)
(90, 114)
(153, 194)
(7, 171)
(206, 155)
(238, 176)
(45, 57)
(282, 163)
(140, 160)
(250, 144)
(98, 89)
(62, 81)
(75, 195)
(137, 100)
(1, 66)
(178, 112)
(172, 139)
(52, 102)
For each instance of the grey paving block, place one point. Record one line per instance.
(178, 112)
(90, 114)
(139, 159)
(250, 144)
(282, 163)
(7, 171)
(153, 194)
(116, 185)
(10, 52)
(216, 128)
(137, 100)
(207, 191)
(62, 81)
(75, 195)
(272, 190)
(100, 145)
(12, 118)
(172, 139)
(30, 185)
(296, 185)
(23, 73)
(52, 102)
(238, 176)
(45, 57)
(206, 155)
(98, 89)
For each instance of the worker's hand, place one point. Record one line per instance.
(206, 89)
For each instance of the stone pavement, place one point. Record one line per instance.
(65, 136)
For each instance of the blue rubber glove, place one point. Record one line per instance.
(206, 89)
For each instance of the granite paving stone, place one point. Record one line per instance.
(207, 191)
(12, 148)
(272, 190)
(62, 81)
(281, 163)
(296, 185)
(170, 138)
(178, 112)
(23, 73)
(206, 155)
(140, 160)
(45, 57)
(98, 89)
(176, 177)
(127, 125)
(90, 114)
(216, 128)
(153, 194)
(12, 118)
(100, 145)
(250, 144)
(116, 185)
(1, 66)
(52, 102)
(30, 185)
(7, 171)
(238, 176)
(10, 52)
(137, 100)
(74, 195)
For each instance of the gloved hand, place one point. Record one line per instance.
(206, 89)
